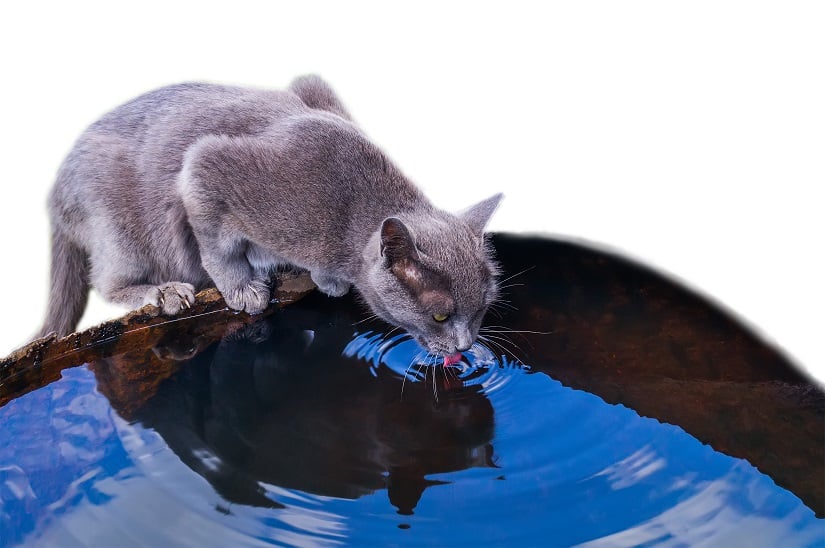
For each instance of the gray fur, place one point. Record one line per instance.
(196, 185)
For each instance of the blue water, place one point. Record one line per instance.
(558, 467)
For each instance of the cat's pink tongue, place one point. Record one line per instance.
(452, 358)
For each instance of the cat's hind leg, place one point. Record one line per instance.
(121, 277)
(170, 297)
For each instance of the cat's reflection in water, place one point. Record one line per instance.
(276, 403)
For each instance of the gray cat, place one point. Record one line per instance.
(196, 185)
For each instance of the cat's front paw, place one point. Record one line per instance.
(171, 297)
(334, 287)
(252, 298)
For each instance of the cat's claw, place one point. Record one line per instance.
(171, 297)
(252, 298)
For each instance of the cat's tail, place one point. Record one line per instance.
(69, 289)
(317, 94)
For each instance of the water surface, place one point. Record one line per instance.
(625, 411)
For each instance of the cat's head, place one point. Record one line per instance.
(434, 276)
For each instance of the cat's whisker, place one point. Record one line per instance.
(494, 310)
(368, 318)
(498, 348)
(499, 311)
(511, 330)
(486, 349)
(482, 345)
(498, 343)
(504, 329)
(428, 366)
(528, 269)
(418, 371)
(501, 302)
(406, 371)
(435, 381)
(501, 287)
(490, 344)
(490, 338)
(505, 333)
(498, 335)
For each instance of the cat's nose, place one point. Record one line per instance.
(464, 340)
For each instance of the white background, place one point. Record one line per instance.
(689, 136)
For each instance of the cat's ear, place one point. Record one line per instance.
(399, 251)
(478, 216)
(397, 244)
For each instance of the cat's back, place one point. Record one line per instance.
(124, 165)
(138, 147)
(137, 115)
(181, 113)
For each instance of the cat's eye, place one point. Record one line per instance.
(440, 317)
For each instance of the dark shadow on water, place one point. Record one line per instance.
(277, 403)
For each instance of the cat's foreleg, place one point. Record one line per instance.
(226, 263)
(208, 171)
(334, 287)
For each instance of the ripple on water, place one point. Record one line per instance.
(406, 358)
(496, 455)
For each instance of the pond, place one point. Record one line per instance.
(608, 407)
